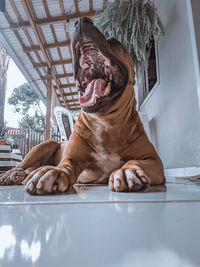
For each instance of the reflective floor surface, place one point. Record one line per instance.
(92, 226)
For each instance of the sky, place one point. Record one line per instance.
(14, 79)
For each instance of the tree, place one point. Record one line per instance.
(25, 100)
(4, 62)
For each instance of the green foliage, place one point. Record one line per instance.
(3, 131)
(35, 123)
(23, 99)
(134, 23)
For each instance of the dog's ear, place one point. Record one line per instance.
(122, 54)
(112, 40)
(115, 43)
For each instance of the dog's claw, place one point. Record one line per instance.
(13, 177)
(124, 180)
(130, 184)
(47, 180)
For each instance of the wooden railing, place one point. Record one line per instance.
(25, 140)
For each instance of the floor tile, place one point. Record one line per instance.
(95, 227)
(173, 191)
(104, 235)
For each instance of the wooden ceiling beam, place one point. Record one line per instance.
(60, 76)
(68, 94)
(91, 5)
(46, 46)
(72, 100)
(41, 34)
(22, 43)
(69, 85)
(76, 6)
(32, 23)
(54, 38)
(63, 13)
(78, 108)
(14, 7)
(74, 105)
(52, 20)
(54, 63)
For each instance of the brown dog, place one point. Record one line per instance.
(108, 142)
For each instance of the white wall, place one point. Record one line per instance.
(173, 109)
(195, 5)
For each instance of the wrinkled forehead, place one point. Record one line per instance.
(119, 51)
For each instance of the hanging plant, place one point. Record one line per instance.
(134, 23)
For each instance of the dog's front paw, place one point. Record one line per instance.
(47, 180)
(128, 180)
(13, 177)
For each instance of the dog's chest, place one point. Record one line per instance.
(106, 156)
(107, 162)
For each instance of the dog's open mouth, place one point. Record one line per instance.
(98, 77)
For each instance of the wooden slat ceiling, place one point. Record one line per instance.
(38, 42)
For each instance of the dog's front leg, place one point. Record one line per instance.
(58, 179)
(137, 175)
(51, 179)
(38, 156)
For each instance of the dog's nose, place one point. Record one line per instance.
(87, 20)
(82, 20)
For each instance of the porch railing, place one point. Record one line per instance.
(25, 140)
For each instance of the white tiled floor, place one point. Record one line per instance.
(98, 228)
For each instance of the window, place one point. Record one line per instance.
(150, 77)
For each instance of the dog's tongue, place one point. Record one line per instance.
(95, 89)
